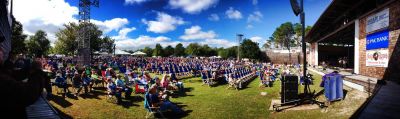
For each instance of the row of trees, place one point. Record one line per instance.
(248, 49)
(67, 39)
(39, 44)
(286, 35)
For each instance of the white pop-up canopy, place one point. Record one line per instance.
(120, 52)
(139, 53)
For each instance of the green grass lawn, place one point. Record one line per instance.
(205, 102)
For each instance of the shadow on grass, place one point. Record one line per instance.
(61, 101)
(171, 115)
(136, 98)
(93, 95)
(62, 114)
(190, 89)
(128, 104)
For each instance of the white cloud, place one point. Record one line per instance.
(134, 1)
(257, 39)
(192, 6)
(164, 23)
(249, 26)
(195, 33)
(218, 43)
(255, 2)
(110, 25)
(122, 34)
(51, 15)
(213, 17)
(145, 41)
(46, 15)
(231, 13)
(256, 16)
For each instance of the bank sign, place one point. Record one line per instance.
(378, 21)
(378, 40)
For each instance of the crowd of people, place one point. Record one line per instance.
(122, 76)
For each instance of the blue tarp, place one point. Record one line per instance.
(333, 85)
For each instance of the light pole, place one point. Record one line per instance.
(239, 38)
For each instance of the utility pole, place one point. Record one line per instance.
(239, 38)
(83, 33)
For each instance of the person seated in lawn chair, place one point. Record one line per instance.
(122, 86)
(232, 81)
(87, 82)
(77, 83)
(96, 79)
(61, 83)
(178, 84)
(204, 77)
(160, 70)
(68, 73)
(108, 73)
(164, 83)
(155, 99)
(210, 76)
(238, 80)
(113, 90)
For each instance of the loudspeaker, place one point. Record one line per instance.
(289, 88)
(295, 7)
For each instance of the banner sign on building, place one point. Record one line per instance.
(378, 21)
(378, 40)
(377, 58)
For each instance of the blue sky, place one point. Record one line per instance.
(138, 23)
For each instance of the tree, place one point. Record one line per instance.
(283, 35)
(193, 49)
(67, 39)
(179, 50)
(148, 51)
(67, 42)
(249, 49)
(268, 43)
(230, 52)
(107, 44)
(298, 32)
(158, 50)
(168, 51)
(17, 39)
(38, 44)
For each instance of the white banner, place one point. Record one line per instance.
(377, 58)
(378, 21)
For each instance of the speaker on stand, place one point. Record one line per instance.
(289, 88)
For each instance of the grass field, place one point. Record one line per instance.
(211, 103)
